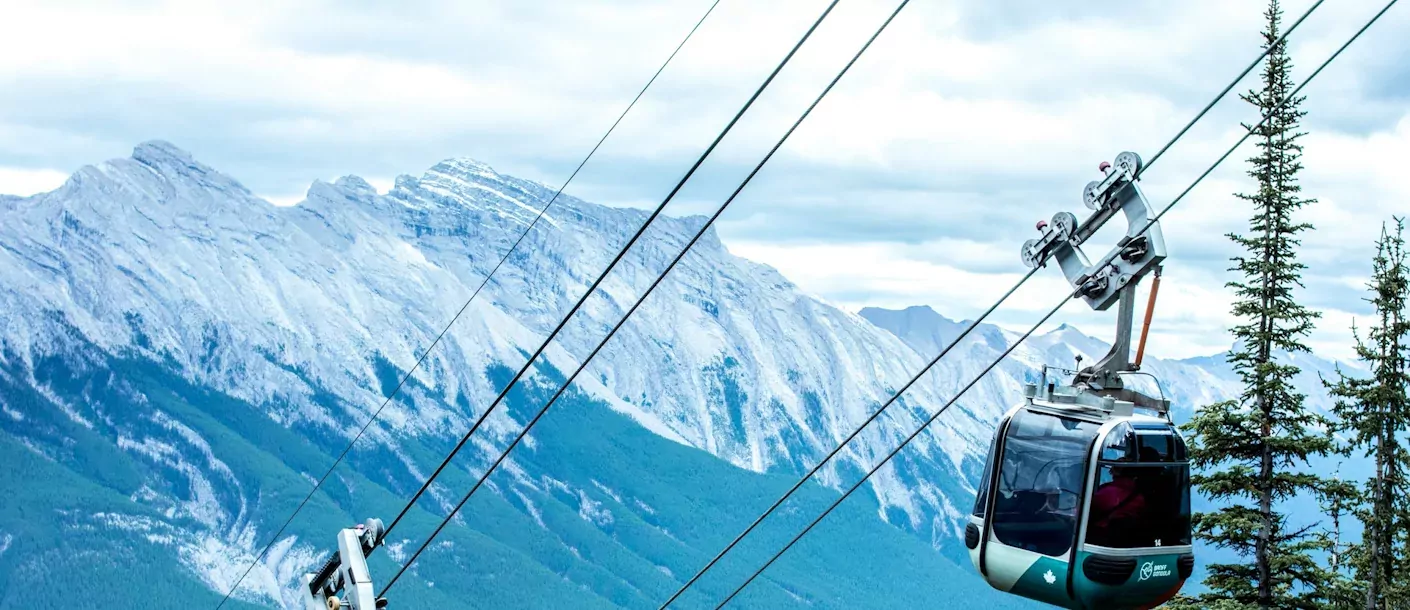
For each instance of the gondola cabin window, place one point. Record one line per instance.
(981, 499)
(1142, 496)
(1040, 482)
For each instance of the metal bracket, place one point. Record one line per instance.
(1105, 374)
(1140, 250)
(1112, 279)
(347, 570)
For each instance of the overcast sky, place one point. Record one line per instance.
(915, 182)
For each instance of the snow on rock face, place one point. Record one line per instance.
(161, 255)
(165, 257)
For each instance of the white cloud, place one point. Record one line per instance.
(25, 182)
(914, 182)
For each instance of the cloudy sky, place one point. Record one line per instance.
(915, 182)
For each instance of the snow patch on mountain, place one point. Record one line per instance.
(220, 563)
(313, 312)
(211, 558)
(593, 511)
(164, 256)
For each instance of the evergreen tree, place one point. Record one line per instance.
(1374, 415)
(1341, 589)
(1251, 452)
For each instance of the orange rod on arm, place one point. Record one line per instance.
(1146, 326)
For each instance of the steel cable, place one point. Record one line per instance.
(657, 282)
(612, 265)
(1050, 313)
(376, 414)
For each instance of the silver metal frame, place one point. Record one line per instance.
(1134, 255)
(346, 571)
(1112, 279)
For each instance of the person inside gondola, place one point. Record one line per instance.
(1119, 502)
(1039, 489)
(1120, 514)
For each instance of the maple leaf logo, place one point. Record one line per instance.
(1049, 577)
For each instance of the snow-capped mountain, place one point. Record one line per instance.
(163, 254)
(191, 356)
(302, 311)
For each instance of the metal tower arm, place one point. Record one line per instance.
(1140, 250)
(348, 571)
(1114, 277)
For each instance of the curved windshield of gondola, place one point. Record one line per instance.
(1142, 498)
(981, 499)
(1040, 482)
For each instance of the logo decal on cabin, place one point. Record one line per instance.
(1152, 570)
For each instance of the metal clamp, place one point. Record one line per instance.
(1140, 250)
(347, 570)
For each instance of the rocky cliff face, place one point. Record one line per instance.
(159, 319)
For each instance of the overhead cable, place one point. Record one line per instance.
(1050, 313)
(657, 282)
(612, 265)
(377, 413)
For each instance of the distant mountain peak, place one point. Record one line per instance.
(919, 326)
(355, 184)
(177, 165)
(162, 152)
(157, 172)
(463, 166)
(925, 312)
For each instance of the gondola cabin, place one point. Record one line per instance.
(1084, 503)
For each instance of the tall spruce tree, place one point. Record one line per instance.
(1252, 452)
(1340, 588)
(1374, 416)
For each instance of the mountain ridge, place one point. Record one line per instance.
(305, 316)
(302, 311)
(926, 330)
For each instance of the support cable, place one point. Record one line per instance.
(375, 414)
(1279, 40)
(602, 276)
(943, 352)
(1050, 313)
(657, 282)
